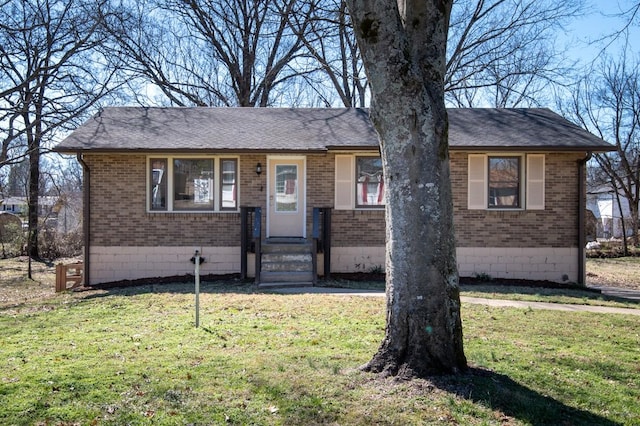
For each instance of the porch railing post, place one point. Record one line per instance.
(257, 237)
(326, 238)
(314, 243)
(244, 213)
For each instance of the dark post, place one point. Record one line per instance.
(257, 237)
(244, 212)
(326, 240)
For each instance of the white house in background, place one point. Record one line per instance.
(15, 205)
(63, 213)
(603, 203)
(20, 205)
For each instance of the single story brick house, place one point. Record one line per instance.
(161, 183)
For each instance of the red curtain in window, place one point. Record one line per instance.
(365, 184)
(380, 191)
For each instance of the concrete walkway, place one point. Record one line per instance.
(609, 291)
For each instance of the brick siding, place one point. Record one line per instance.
(555, 226)
(119, 214)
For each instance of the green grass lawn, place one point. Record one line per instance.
(133, 356)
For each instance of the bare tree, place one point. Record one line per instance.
(607, 103)
(52, 75)
(501, 52)
(212, 52)
(331, 43)
(403, 47)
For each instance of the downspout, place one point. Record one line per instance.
(86, 215)
(582, 205)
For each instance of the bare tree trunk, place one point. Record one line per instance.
(404, 55)
(34, 190)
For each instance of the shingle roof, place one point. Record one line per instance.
(531, 129)
(301, 129)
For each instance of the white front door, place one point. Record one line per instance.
(286, 197)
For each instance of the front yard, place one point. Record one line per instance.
(133, 356)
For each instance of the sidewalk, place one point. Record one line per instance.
(619, 292)
(609, 291)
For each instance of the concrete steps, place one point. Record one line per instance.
(287, 263)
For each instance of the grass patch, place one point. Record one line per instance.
(615, 272)
(133, 356)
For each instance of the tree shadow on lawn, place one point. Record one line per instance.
(501, 393)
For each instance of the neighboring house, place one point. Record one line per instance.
(164, 182)
(15, 205)
(603, 203)
(20, 205)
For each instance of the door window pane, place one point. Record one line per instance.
(286, 188)
(193, 184)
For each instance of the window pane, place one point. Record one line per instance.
(286, 188)
(504, 182)
(193, 184)
(158, 182)
(369, 182)
(228, 185)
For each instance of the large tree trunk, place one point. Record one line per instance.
(404, 54)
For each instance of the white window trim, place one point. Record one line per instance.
(217, 202)
(527, 182)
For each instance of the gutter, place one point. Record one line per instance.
(86, 215)
(582, 205)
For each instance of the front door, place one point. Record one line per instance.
(286, 197)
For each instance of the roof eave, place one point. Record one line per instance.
(503, 148)
(186, 151)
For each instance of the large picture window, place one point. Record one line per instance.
(191, 184)
(369, 182)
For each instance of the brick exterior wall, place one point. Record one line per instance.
(119, 216)
(555, 226)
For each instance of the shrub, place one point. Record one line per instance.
(53, 244)
(13, 240)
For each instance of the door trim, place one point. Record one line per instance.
(270, 159)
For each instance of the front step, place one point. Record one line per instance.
(286, 264)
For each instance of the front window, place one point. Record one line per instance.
(158, 183)
(504, 182)
(229, 187)
(192, 184)
(369, 182)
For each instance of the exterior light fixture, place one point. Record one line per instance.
(258, 169)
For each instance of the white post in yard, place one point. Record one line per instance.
(197, 274)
